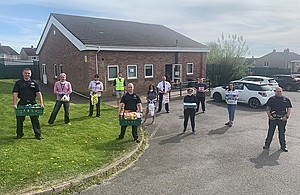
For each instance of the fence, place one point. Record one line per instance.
(12, 69)
(268, 71)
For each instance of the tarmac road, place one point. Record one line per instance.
(217, 160)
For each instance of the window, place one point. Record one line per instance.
(55, 71)
(60, 68)
(148, 69)
(131, 72)
(266, 64)
(112, 71)
(190, 68)
(43, 69)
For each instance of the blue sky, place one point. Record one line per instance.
(265, 25)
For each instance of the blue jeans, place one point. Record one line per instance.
(231, 110)
(56, 109)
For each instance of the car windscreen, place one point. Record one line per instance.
(272, 81)
(254, 87)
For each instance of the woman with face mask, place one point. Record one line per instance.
(62, 90)
(190, 106)
(151, 103)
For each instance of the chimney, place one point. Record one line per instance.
(274, 50)
(31, 46)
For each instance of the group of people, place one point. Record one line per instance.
(278, 106)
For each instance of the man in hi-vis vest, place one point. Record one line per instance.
(119, 84)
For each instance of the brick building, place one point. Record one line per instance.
(83, 46)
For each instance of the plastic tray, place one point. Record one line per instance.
(136, 122)
(22, 110)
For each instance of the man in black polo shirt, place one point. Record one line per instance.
(27, 90)
(278, 109)
(130, 101)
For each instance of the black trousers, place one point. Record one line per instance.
(202, 100)
(35, 125)
(57, 108)
(160, 99)
(189, 113)
(92, 107)
(281, 129)
(134, 132)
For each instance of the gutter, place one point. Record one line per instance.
(97, 68)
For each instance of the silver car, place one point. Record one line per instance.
(262, 80)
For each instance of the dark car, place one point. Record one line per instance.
(287, 82)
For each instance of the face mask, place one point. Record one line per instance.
(151, 90)
(63, 82)
(189, 94)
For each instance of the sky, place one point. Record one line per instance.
(264, 24)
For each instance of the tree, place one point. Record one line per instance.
(229, 56)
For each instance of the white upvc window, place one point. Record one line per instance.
(112, 72)
(189, 68)
(148, 69)
(131, 71)
(60, 69)
(266, 64)
(55, 71)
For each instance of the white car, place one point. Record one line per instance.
(263, 80)
(252, 93)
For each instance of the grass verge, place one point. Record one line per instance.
(66, 152)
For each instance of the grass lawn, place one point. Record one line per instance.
(66, 152)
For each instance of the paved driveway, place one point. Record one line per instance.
(217, 160)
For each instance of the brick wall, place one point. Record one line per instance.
(57, 49)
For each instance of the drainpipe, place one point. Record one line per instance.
(97, 70)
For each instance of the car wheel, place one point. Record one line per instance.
(288, 87)
(254, 103)
(217, 97)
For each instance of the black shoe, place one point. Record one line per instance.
(284, 149)
(227, 123)
(119, 138)
(19, 136)
(194, 132)
(265, 147)
(158, 112)
(184, 131)
(97, 115)
(90, 115)
(203, 111)
(137, 141)
(39, 138)
(167, 111)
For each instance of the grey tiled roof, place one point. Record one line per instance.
(8, 50)
(30, 51)
(107, 32)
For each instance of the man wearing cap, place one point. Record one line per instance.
(189, 110)
(201, 88)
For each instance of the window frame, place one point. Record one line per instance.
(187, 69)
(146, 65)
(55, 71)
(136, 76)
(60, 69)
(112, 66)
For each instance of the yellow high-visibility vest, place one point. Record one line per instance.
(120, 84)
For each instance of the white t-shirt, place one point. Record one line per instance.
(231, 97)
(96, 86)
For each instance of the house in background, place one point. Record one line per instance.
(7, 53)
(284, 60)
(29, 54)
(83, 46)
